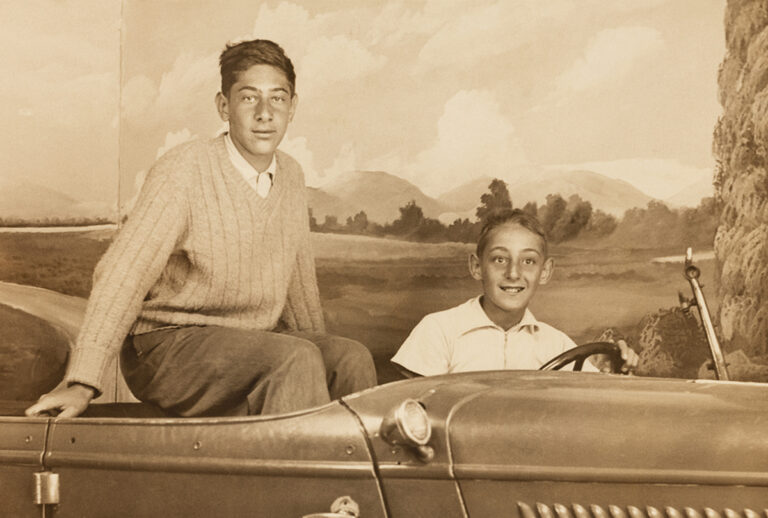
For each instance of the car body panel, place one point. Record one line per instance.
(528, 444)
(22, 442)
(288, 465)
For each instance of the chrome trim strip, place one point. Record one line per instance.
(540, 510)
(21, 457)
(184, 421)
(619, 475)
(433, 471)
(190, 464)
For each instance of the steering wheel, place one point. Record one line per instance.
(577, 355)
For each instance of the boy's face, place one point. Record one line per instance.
(513, 265)
(259, 107)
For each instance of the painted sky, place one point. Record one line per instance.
(435, 91)
(59, 95)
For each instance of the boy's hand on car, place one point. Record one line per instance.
(68, 401)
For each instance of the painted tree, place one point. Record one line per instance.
(741, 181)
(572, 221)
(358, 224)
(551, 212)
(411, 217)
(496, 198)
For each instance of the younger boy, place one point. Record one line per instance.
(496, 330)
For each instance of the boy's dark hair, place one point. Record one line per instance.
(514, 216)
(241, 56)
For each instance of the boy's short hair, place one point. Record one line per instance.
(514, 216)
(241, 56)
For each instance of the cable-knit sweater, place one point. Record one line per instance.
(201, 247)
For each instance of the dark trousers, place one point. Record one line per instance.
(219, 371)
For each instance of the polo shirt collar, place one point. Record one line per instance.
(476, 318)
(241, 164)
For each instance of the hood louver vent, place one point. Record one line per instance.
(540, 510)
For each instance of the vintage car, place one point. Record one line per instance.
(529, 444)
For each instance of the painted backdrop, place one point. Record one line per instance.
(410, 102)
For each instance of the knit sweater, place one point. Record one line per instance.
(201, 247)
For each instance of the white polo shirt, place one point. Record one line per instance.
(463, 338)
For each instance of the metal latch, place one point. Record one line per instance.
(342, 507)
(46, 488)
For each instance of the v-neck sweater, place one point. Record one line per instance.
(201, 247)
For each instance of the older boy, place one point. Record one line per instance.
(210, 286)
(495, 330)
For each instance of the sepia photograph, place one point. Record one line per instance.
(371, 258)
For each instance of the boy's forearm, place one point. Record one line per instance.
(124, 275)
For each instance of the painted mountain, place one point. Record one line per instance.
(691, 196)
(30, 201)
(324, 204)
(607, 194)
(378, 193)
(464, 199)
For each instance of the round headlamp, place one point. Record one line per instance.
(407, 424)
(413, 423)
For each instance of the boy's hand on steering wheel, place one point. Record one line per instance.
(630, 357)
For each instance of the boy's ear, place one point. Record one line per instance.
(292, 109)
(547, 271)
(222, 106)
(474, 267)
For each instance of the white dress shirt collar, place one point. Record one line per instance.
(241, 164)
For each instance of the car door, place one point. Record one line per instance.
(23, 488)
(289, 465)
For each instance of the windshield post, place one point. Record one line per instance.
(692, 273)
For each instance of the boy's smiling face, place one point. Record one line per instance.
(259, 107)
(513, 265)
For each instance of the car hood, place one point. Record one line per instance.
(570, 421)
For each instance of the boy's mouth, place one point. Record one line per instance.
(263, 133)
(512, 289)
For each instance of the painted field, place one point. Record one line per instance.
(61, 262)
(376, 290)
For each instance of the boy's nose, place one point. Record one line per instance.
(263, 111)
(513, 272)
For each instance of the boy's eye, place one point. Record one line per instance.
(529, 260)
(249, 98)
(279, 99)
(498, 259)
